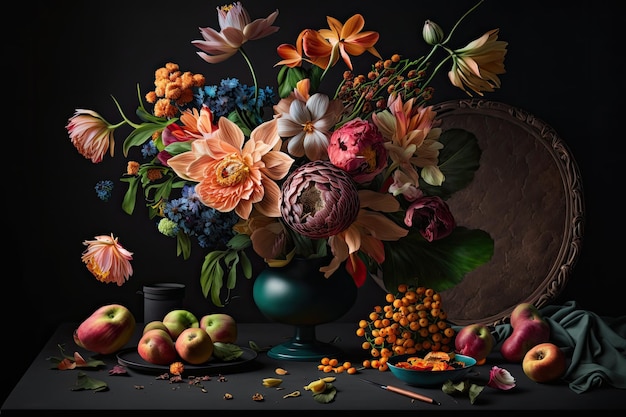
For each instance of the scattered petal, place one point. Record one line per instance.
(118, 370)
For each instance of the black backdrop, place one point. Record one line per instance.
(563, 66)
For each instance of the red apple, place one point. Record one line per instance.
(156, 346)
(544, 362)
(524, 312)
(221, 327)
(529, 329)
(106, 330)
(178, 320)
(194, 345)
(475, 340)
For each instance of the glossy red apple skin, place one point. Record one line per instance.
(106, 330)
(474, 340)
(157, 347)
(524, 312)
(194, 346)
(529, 329)
(221, 327)
(544, 363)
(178, 320)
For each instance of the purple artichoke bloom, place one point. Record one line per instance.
(431, 216)
(319, 200)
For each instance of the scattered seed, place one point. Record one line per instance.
(257, 397)
(229, 396)
(281, 371)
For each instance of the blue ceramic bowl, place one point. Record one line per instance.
(429, 378)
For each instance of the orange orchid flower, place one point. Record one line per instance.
(341, 39)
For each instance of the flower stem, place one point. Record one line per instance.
(256, 86)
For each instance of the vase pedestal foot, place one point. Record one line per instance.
(304, 347)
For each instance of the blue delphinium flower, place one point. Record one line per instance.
(149, 149)
(230, 94)
(104, 189)
(211, 227)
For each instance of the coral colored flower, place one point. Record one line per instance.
(195, 125)
(342, 39)
(291, 55)
(308, 126)
(236, 29)
(500, 378)
(477, 65)
(358, 148)
(413, 138)
(91, 134)
(233, 173)
(432, 216)
(366, 234)
(107, 260)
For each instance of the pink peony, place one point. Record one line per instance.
(358, 148)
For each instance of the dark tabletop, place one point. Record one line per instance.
(44, 389)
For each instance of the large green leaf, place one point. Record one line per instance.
(458, 161)
(440, 264)
(128, 203)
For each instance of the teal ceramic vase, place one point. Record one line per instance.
(299, 295)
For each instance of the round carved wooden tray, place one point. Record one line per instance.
(527, 194)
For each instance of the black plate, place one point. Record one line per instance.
(130, 357)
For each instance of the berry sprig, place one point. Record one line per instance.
(412, 322)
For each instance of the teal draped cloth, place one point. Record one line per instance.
(595, 345)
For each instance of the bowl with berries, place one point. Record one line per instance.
(432, 368)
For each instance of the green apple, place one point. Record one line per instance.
(157, 347)
(106, 330)
(178, 320)
(194, 346)
(544, 362)
(221, 327)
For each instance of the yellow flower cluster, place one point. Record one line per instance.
(172, 88)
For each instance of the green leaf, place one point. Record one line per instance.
(246, 265)
(178, 147)
(84, 382)
(211, 277)
(183, 245)
(240, 241)
(226, 351)
(474, 392)
(458, 161)
(140, 135)
(231, 260)
(440, 264)
(288, 78)
(327, 395)
(128, 203)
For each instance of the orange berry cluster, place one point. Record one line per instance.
(328, 365)
(413, 321)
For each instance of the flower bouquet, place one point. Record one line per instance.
(361, 174)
